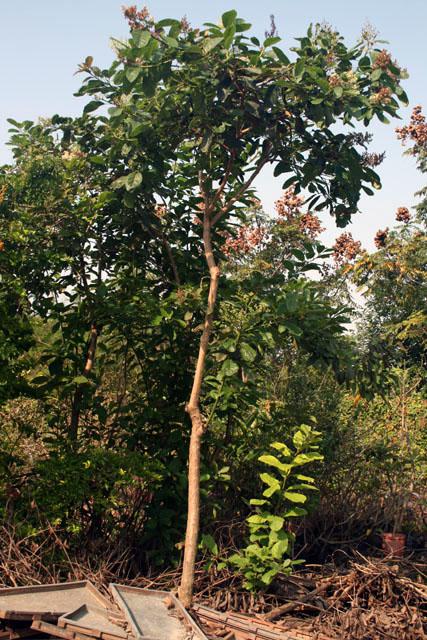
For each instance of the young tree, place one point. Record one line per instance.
(198, 113)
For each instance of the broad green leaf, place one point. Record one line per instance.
(295, 512)
(92, 106)
(210, 43)
(229, 368)
(80, 380)
(133, 180)
(295, 497)
(273, 40)
(229, 18)
(247, 352)
(283, 448)
(279, 548)
(276, 523)
(141, 37)
(283, 58)
(132, 73)
(272, 461)
(208, 542)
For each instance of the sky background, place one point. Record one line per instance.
(41, 43)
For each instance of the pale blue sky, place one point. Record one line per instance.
(41, 43)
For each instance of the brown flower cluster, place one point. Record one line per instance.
(403, 215)
(416, 130)
(288, 206)
(334, 80)
(1, 245)
(185, 25)
(288, 209)
(310, 224)
(137, 19)
(160, 211)
(248, 237)
(382, 60)
(346, 249)
(381, 238)
(72, 154)
(382, 96)
(372, 159)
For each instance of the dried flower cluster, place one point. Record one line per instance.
(310, 224)
(381, 238)
(288, 206)
(248, 237)
(137, 19)
(403, 215)
(288, 209)
(372, 159)
(1, 245)
(160, 211)
(185, 25)
(416, 130)
(382, 96)
(346, 249)
(382, 60)
(72, 154)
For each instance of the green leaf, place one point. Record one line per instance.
(376, 75)
(268, 577)
(276, 523)
(141, 37)
(92, 106)
(132, 73)
(281, 56)
(229, 368)
(296, 512)
(305, 458)
(229, 18)
(299, 68)
(279, 548)
(256, 502)
(269, 41)
(283, 448)
(247, 352)
(294, 329)
(295, 497)
(210, 43)
(80, 380)
(272, 461)
(208, 542)
(119, 182)
(256, 519)
(133, 180)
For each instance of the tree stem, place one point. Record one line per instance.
(198, 425)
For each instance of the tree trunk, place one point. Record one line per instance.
(78, 394)
(185, 591)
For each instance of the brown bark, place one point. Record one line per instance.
(78, 394)
(197, 422)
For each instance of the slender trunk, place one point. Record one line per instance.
(185, 591)
(78, 394)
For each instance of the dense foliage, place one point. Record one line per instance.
(115, 228)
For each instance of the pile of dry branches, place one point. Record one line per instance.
(367, 598)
